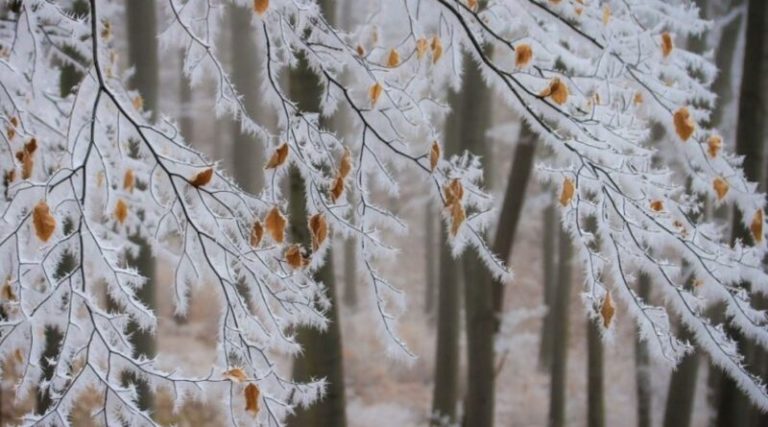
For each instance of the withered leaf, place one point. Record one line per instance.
(202, 178)
(318, 226)
(257, 233)
(434, 156)
(437, 49)
(252, 394)
(129, 180)
(607, 310)
(421, 47)
(714, 145)
(121, 211)
(275, 223)
(666, 44)
(374, 93)
(393, 60)
(278, 157)
(684, 124)
(566, 195)
(453, 192)
(756, 227)
(557, 91)
(721, 187)
(657, 205)
(260, 6)
(237, 375)
(44, 222)
(457, 217)
(337, 188)
(523, 55)
(295, 258)
(345, 166)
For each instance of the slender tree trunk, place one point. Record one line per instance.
(548, 256)
(322, 355)
(595, 365)
(142, 49)
(643, 364)
(560, 330)
(186, 124)
(430, 218)
(445, 393)
(350, 272)
(478, 290)
(682, 388)
(734, 407)
(247, 157)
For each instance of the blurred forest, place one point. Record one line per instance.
(524, 354)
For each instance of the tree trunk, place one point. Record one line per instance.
(478, 290)
(682, 388)
(186, 124)
(734, 407)
(595, 369)
(643, 364)
(322, 351)
(560, 329)
(350, 272)
(247, 157)
(445, 393)
(142, 49)
(430, 218)
(548, 256)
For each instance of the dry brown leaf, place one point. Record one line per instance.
(523, 55)
(257, 233)
(337, 189)
(137, 102)
(202, 178)
(421, 47)
(44, 222)
(714, 144)
(275, 223)
(437, 49)
(472, 5)
(260, 6)
(638, 98)
(345, 166)
(121, 211)
(393, 60)
(666, 44)
(434, 156)
(457, 217)
(318, 226)
(278, 157)
(756, 227)
(9, 177)
(360, 51)
(607, 310)
(295, 258)
(252, 394)
(7, 293)
(129, 180)
(566, 195)
(374, 93)
(237, 375)
(557, 91)
(684, 124)
(18, 355)
(453, 192)
(657, 205)
(721, 187)
(606, 14)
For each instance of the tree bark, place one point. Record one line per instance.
(322, 351)
(560, 330)
(734, 407)
(445, 393)
(682, 388)
(142, 50)
(595, 369)
(548, 256)
(643, 364)
(430, 218)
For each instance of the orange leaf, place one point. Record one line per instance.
(523, 55)
(295, 258)
(345, 165)
(721, 187)
(557, 91)
(278, 157)
(453, 192)
(260, 6)
(607, 310)
(121, 211)
(666, 44)
(756, 227)
(472, 4)
(457, 217)
(129, 180)
(421, 47)
(202, 178)
(638, 98)
(257, 233)
(137, 102)
(437, 49)
(684, 124)
(319, 229)
(714, 144)
(236, 374)
(374, 93)
(360, 51)
(44, 222)
(434, 156)
(606, 14)
(657, 206)
(337, 189)
(394, 58)
(252, 398)
(7, 293)
(567, 193)
(275, 223)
